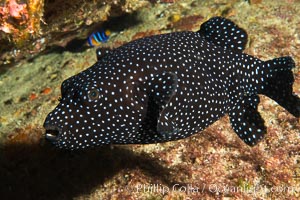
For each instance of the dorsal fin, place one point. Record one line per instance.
(223, 32)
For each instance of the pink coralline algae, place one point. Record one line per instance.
(17, 10)
(20, 21)
(10, 12)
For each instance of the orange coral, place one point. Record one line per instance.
(12, 11)
(20, 20)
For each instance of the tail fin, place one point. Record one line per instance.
(278, 84)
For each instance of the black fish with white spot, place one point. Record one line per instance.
(168, 87)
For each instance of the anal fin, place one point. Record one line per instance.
(246, 120)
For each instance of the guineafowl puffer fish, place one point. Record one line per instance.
(168, 87)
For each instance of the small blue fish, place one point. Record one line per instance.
(97, 38)
(168, 87)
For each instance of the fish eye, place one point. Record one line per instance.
(93, 94)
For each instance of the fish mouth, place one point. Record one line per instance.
(52, 133)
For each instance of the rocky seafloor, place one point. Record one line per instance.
(214, 164)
